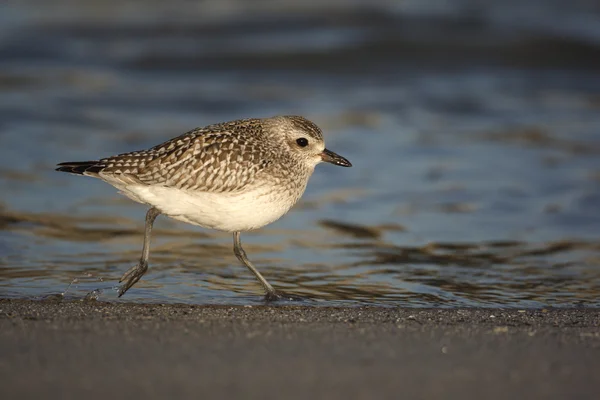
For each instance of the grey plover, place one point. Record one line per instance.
(234, 176)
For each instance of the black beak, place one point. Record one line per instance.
(335, 159)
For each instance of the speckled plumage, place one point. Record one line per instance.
(218, 158)
(233, 176)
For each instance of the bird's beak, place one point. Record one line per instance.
(335, 159)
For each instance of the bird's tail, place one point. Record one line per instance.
(80, 167)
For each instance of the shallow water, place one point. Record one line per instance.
(472, 126)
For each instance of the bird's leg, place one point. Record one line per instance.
(271, 294)
(136, 272)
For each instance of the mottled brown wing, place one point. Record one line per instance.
(219, 158)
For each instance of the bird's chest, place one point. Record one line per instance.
(242, 211)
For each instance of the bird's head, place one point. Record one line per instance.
(304, 141)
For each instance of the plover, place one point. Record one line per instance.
(234, 176)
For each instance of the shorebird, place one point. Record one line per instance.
(234, 176)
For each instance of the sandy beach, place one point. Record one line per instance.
(97, 350)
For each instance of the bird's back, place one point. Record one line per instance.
(218, 158)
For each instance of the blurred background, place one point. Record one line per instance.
(473, 127)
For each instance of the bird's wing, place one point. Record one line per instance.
(218, 158)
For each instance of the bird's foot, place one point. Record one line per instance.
(131, 277)
(281, 296)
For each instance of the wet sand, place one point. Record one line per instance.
(97, 350)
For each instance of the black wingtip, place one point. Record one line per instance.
(79, 167)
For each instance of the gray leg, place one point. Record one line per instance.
(241, 255)
(136, 272)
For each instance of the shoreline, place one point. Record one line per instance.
(72, 349)
(290, 313)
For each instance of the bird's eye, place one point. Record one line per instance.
(302, 142)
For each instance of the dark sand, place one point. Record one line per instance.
(98, 350)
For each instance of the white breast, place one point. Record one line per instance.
(229, 212)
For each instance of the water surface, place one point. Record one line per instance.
(472, 127)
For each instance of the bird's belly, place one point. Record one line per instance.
(222, 211)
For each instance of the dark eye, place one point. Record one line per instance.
(302, 142)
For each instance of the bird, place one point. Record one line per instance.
(234, 176)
